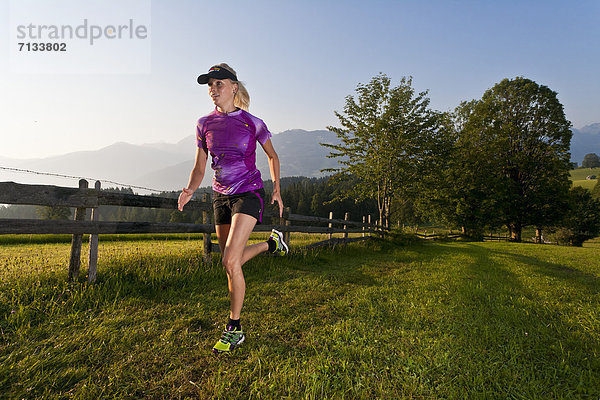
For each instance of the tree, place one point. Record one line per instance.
(319, 197)
(591, 160)
(388, 137)
(54, 212)
(596, 190)
(582, 220)
(180, 217)
(527, 138)
(464, 191)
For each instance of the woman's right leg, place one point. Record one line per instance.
(234, 253)
(250, 251)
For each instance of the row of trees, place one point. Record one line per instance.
(502, 160)
(319, 197)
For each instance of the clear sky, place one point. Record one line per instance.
(299, 59)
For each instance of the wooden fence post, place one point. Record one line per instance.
(345, 226)
(369, 221)
(75, 261)
(93, 256)
(281, 219)
(330, 224)
(207, 249)
(287, 234)
(363, 228)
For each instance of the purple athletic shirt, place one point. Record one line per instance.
(231, 140)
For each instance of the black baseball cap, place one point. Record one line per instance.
(216, 72)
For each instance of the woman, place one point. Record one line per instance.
(230, 134)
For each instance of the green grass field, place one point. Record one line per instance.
(585, 183)
(374, 320)
(581, 173)
(578, 177)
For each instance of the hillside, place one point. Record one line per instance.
(300, 153)
(582, 173)
(578, 177)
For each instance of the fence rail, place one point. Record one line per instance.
(47, 195)
(487, 237)
(496, 238)
(429, 236)
(84, 198)
(38, 226)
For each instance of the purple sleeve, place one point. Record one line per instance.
(200, 138)
(262, 132)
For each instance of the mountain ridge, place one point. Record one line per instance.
(585, 140)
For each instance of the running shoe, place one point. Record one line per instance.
(229, 341)
(282, 248)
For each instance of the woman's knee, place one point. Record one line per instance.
(232, 264)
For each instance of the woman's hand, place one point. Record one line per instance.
(274, 169)
(276, 197)
(184, 197)
(195, 178)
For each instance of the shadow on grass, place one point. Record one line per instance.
(530, 338)
(588, 283)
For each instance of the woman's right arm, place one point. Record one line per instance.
(196, 177)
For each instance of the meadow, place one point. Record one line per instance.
(578, 177)
(382, 319)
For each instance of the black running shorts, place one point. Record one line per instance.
(250, 203)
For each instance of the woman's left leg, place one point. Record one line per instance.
(235, 254)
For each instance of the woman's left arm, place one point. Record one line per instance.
(274, 169)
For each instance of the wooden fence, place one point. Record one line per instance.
(84, 198)
(429, 236)
(496, 238)
(454, 236)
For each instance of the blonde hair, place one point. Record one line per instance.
(242, 97)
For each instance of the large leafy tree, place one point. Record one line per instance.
(389, 138)
(527, 136)
(591, 160)
(464, 192)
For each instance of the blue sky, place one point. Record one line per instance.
(299, 59)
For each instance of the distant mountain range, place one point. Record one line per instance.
(166, 166)
(585, 140)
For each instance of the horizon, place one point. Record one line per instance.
(183, 138)
(297, 62)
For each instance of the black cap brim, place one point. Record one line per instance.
(220, 73)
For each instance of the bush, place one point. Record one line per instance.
(562, 236)
(596, 190)
(582, 220)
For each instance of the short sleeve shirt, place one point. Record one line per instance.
(231, 141)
